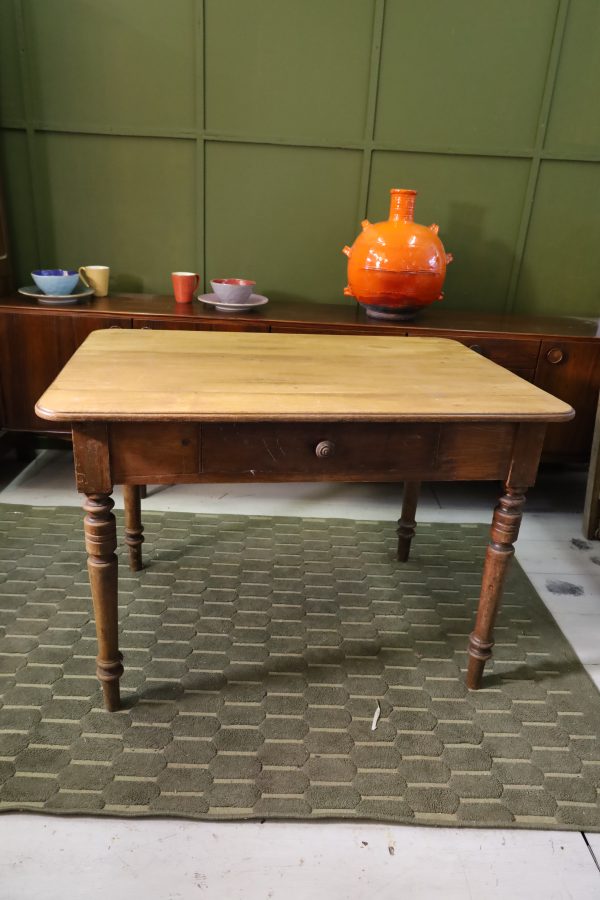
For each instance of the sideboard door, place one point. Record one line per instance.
(33, 349)
(571, 371)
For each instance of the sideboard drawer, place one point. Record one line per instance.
(163, 324)
(315, 451)
(512, 354)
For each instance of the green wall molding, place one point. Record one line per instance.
(8, 124)
(371, 111)
(200, 156)
(221, 139)
(27, 93)
(553, 63)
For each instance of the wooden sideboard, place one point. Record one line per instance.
(6, 285)
(559, 354)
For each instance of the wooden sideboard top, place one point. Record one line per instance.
(344, 315)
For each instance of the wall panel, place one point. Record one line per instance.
(574, 125)
(561, 266)
(11, 91)
(287, 69)
(112, 64)
(463, 74)
(477, 203)
(281, 215)
(19, 201)
(254, 135)
(119, 201)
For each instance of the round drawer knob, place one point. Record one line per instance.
(555, 356)
(477, 348)
(324, 449)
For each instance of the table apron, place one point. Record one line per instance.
(187, 452)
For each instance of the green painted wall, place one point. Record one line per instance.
(251, 137)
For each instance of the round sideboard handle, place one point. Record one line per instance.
(555, 356)
(324, 449)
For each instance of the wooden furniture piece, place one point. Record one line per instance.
(591, 511)
(559, 354)
(185, 407)
(5, 287)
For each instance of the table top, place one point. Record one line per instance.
(138, 375)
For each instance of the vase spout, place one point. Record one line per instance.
(402, 205)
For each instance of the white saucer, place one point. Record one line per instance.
(54, 299)
(254, 301)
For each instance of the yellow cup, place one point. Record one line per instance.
(95, 277)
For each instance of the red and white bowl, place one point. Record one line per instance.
(233, 290)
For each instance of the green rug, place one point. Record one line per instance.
(256, 651)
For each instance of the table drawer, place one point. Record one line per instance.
(154, 452)
(318, 451)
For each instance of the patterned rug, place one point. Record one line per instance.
(257, 651)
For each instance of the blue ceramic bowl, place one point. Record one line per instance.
(55, 281)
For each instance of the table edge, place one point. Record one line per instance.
(52, 416)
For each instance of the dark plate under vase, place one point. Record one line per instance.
(391, 313)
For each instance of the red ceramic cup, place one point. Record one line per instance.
(184, 285)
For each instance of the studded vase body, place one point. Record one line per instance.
(396, 267)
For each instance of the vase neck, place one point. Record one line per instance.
(402, 205)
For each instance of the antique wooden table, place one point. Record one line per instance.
(171, 407)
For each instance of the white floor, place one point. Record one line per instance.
(50, 858)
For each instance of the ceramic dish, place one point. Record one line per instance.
(254, 301)
(56, 282)
(54, 299)
(233, 290)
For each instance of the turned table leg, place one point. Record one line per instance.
(134, 537)
(101, 543)
(504, 531)
(407, 523)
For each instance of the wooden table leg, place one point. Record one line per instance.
(504, 531)
(101, 543)
(134, 537)
(407, 522)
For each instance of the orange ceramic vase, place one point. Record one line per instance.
(396, 267)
